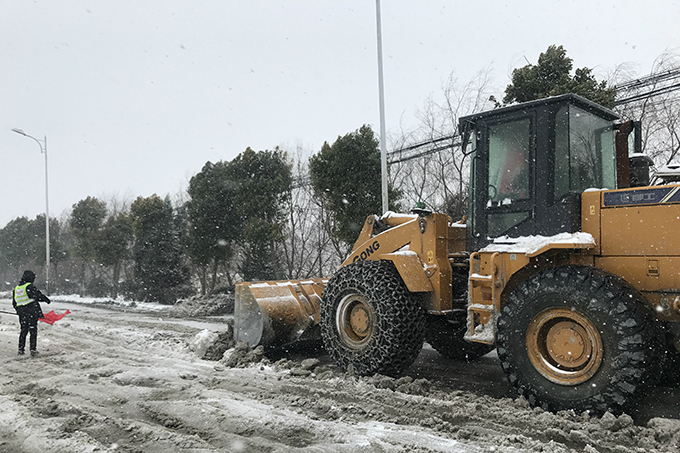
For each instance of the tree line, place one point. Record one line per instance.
(264, 215)
(281, 214)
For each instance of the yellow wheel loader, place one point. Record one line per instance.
(568, 263)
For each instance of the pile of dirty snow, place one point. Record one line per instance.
(209, 345)
(213, 305)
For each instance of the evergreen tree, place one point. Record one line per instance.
(113, 246)
(347, 177)
(213, 225)
(159, 272)
(551, 76)
(87, 218)
(20, 244)
(262, 182)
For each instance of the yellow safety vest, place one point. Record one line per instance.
(20, 295)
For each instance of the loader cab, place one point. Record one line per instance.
(531, 162)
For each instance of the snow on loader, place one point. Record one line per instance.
(577, 286)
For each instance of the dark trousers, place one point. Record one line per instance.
(28, 320)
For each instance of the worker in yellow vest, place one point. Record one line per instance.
(26, 300)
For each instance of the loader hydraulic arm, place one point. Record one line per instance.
(418, 245)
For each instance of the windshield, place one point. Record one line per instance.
(584, 152)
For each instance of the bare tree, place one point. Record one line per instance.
(117, 203)
(308, 249)
(655, 101)
(439, 173)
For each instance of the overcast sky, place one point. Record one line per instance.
(136, 96)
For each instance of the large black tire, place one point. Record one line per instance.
(445, 335)
(575, 337)
(370, 320)
(670, 363)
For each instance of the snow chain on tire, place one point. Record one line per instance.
(370, 320)
(614, 341)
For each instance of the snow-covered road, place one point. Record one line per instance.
(126, 381)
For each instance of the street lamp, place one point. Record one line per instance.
(381, 92)
(43, 150)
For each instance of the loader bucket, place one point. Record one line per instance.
(276, 313)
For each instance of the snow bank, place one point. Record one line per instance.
(213, 305)
(117, 302)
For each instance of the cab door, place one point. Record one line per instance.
(503, 170)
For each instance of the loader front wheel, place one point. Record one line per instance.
(370, 320)
(576, 337)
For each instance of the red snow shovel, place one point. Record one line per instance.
(51, 317)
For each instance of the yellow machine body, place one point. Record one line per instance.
(636, 241)
(639, 241)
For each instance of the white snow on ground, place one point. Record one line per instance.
(128, 380)
(202, 342)
(121, 381)
(117, 302)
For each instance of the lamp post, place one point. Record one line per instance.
(381, 90)
(43, 150)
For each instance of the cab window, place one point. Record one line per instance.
(509, 161)
(584, 152)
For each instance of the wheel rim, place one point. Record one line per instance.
(564, 346)
(355, 321)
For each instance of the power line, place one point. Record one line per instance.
(434, 145)
(411, 152)
(648, 94)
(631, 90)
(649, 79)
(400, 155)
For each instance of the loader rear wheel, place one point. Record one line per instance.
(370, 320)
(575, 337)
(445, 335)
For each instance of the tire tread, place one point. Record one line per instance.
(400, 319)
(636, 338)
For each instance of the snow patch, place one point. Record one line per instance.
(404, 253)
(287, 283)
(394, 215)
(202, 341)
(118, 302)
(594, 189)
(532, 244)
